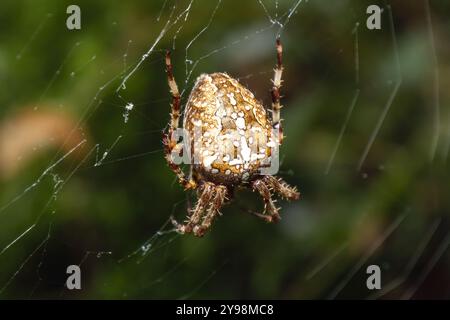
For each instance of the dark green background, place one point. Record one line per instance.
(393, 211)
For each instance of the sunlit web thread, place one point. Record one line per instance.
(57, 188)
(291, 12)
(125, 56)
(271, 19)
(17, 239)
(188, 61)
(327, 261)
(133, 156)
(188, 10)
(53, 197)
(33, 36)
(87, 254)
(149, 245)
(352, 104)
(162, 10)
(55, 75)
(39, 266)
(59, 184)
(389, 102)
(347, 278)
(203, 282)
(287, 16)
(166, 274)
(409, 293)
(2, 289)
(217, 50)
(163, 31)
(47, 171)
(92, 106)
(436, 84)
(277, 20)
(39, 179)
(76, 71)
(394, 284)
(98, 162)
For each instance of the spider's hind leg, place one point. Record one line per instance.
(269, 204)
(212, 211)
(205, 193)
(210, 200)
(282, 188)
(265, 186)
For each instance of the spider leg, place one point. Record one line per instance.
(282, 188)
(269, 203)
(276, 105)
(170, 143)
(212, 210)
(176, 97)
(206, 192)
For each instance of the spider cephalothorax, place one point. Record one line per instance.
(229, 142)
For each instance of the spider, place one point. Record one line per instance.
(231, 139)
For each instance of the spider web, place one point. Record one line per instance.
(130, 254)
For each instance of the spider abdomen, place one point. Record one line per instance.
(229, 131)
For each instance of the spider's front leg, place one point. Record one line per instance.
(171, 145)
(276, 95)
(211, 199)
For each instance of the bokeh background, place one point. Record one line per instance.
(83, 181)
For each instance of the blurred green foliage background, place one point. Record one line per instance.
(63, 202)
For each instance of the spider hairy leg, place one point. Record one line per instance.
(269, 204)
(282, 188)
(210, 200)
(206, 193)
(170, 143)
(176, 98)
(212, 211)
(276, 95)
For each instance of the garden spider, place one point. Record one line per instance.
(231, 139)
